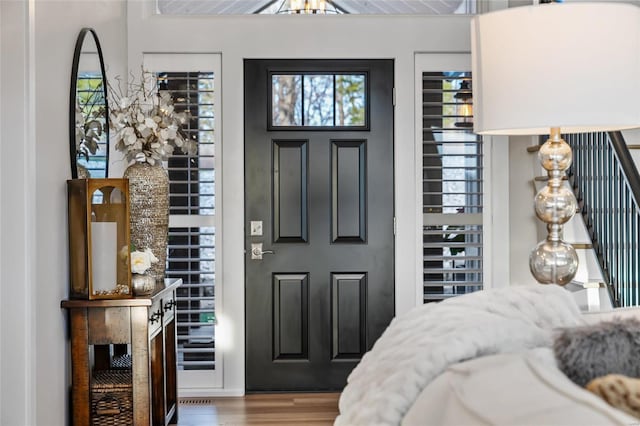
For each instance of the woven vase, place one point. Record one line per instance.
(149, 211)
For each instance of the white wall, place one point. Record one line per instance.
(38, 38)
(524, 225)
(17, 217)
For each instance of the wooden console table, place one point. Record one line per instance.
(134, 338)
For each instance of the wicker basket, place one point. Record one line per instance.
(111, 398)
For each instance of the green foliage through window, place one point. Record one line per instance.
(318, 100)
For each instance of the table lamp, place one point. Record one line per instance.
(552, 68)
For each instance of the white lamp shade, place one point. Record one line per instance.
(574, 66)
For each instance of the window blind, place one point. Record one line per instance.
(192, 244)
(451, 187)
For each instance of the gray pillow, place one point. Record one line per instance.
(609, 347)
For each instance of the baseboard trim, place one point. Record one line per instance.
(208, 392)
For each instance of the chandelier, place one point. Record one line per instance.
(307, 7)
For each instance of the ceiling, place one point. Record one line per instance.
(387, 7)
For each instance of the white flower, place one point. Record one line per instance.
(140, 262)
(143, 130)
(129, 135)
(152, 258)
(124, 103)
(150, 123)
(167, 110)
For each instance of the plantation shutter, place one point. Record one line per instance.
(192, 233)
(451, 187)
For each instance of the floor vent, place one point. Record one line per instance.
(196, 401)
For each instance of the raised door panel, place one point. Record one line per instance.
(348, 315)
(349, 191)
(290, 191)
(290, 316)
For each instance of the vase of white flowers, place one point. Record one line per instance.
(142, 283)
(147, 129)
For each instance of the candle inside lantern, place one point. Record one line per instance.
(104, 256)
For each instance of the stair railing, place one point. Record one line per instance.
(607, 186)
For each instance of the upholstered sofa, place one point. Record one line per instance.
(487, 358)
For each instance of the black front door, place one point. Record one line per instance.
(319, 196)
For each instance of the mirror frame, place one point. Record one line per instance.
(72, 100)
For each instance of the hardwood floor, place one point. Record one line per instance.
(260, 409)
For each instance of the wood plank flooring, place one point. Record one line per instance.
(261, 409)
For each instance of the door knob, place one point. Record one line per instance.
(257, 252)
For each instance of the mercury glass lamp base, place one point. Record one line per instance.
(553, 262)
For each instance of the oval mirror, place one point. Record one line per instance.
(88, 111)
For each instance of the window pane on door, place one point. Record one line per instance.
(350, 100)
(286, 98)
(318, 100)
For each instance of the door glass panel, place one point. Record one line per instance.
(350, 100)
(286, 95)
(318, 100)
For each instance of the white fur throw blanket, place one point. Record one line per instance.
(418, 346)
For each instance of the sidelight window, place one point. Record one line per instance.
(192, 232)
(452, 193)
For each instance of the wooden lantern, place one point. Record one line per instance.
(99, 255)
